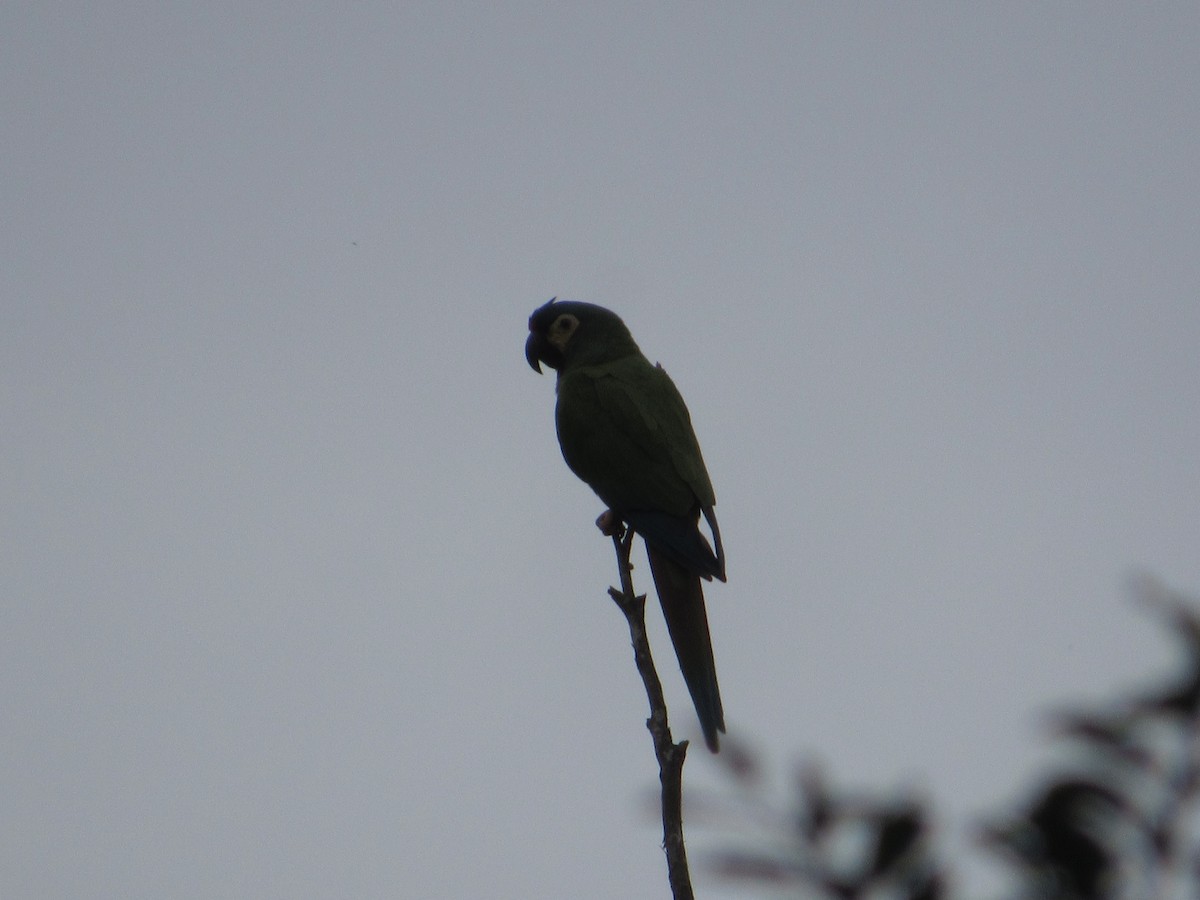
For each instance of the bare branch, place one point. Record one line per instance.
(670, 755)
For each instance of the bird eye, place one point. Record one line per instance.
(562, 323)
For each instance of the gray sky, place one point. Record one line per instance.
(299, 599)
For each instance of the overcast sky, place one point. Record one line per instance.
(299, 598)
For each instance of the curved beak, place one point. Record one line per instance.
(533, 351)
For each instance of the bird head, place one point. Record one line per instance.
(563, 332)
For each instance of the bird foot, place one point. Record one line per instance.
(610, 525)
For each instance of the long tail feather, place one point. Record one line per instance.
(682, 601)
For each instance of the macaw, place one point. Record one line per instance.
(624, 430)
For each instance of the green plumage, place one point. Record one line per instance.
(624, 430)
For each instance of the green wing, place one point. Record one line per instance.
(624, 429)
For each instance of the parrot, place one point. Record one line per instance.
(624, 430)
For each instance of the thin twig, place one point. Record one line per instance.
(670, 755)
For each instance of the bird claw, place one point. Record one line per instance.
(610, 525)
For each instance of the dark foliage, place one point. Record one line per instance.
(1116, 821)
